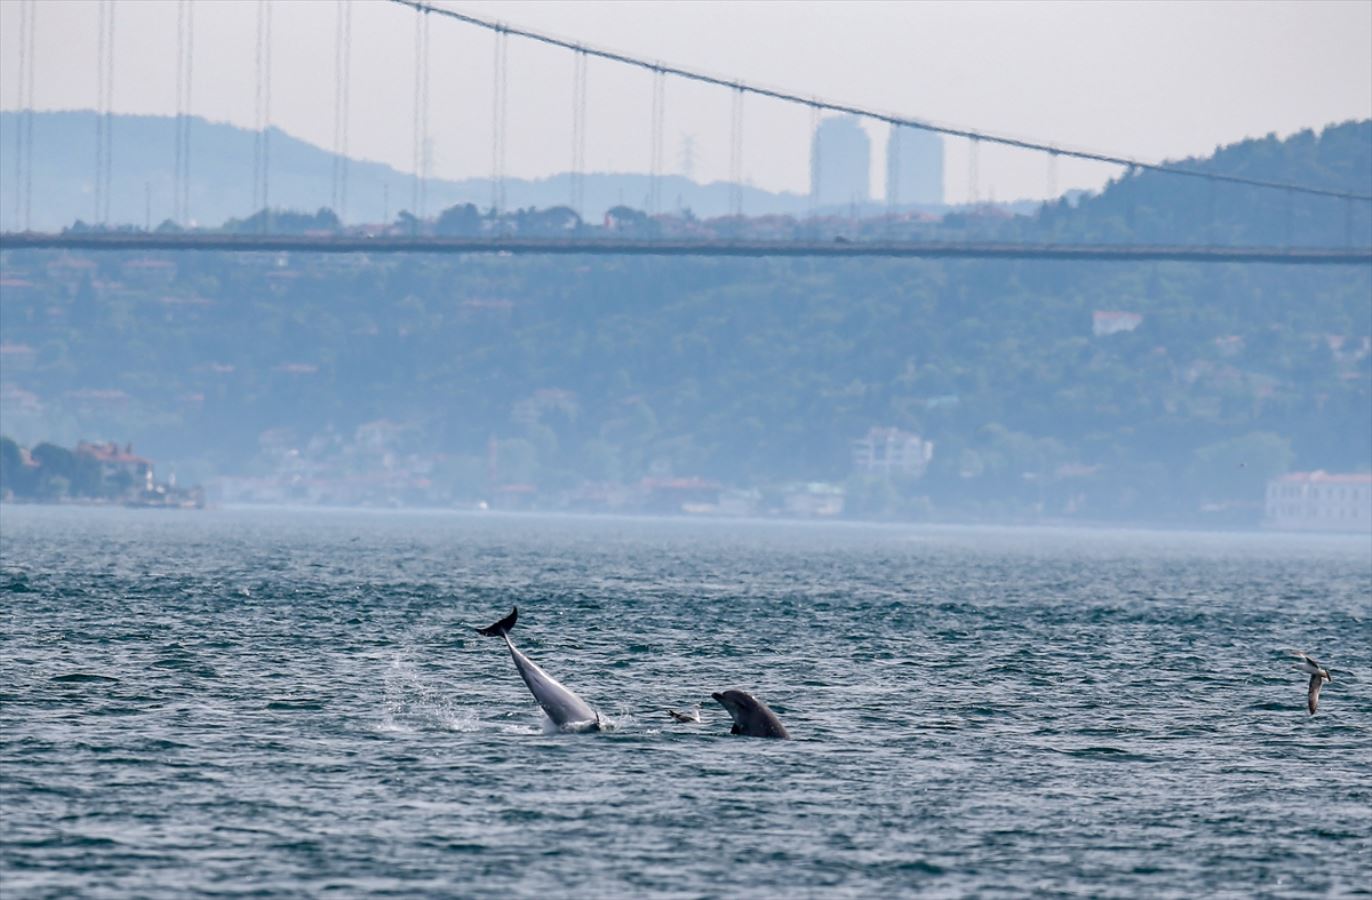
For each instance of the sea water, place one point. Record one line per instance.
(288, 703)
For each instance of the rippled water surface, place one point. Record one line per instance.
(291, 703)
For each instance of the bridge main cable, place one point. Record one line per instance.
(889, 118)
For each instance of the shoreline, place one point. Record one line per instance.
(1059, 526)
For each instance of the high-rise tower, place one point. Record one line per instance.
(840, 162)
(914, 166)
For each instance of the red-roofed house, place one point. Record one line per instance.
(115, 462)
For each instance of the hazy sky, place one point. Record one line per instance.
(1153, 80)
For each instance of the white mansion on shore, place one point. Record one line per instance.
(884, 452)
(1320, 501)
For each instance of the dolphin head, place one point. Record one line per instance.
(751, 716)
(736, 702)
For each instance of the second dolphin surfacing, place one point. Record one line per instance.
(751, 716)
(566, 710)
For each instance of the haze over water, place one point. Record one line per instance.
(284, 703)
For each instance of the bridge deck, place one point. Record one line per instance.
(643, 247)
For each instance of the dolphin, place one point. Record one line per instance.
(751, 716)
(566, 710)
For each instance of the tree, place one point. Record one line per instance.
(15, 476)
(1238, 469)
(63, 473)
(627, 220)
(462, 219)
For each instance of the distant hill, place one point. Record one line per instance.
(300, 178)
(1078, 391)
(1155, 208)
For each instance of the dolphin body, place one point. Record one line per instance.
(566, 710)
(751, 716)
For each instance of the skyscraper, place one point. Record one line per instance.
(914, 166)
(840, 162)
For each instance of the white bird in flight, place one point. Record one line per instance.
(1318, 676)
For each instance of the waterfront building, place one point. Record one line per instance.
(884, 452)
(1320, 501)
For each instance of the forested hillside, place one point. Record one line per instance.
(1153, 208)
(221, 173)
(557, 372)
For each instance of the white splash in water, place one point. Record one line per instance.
(409, 704)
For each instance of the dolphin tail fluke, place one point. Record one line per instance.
(501, 628)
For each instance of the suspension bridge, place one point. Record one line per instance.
(650, 231)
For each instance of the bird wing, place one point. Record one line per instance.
(1313, 699)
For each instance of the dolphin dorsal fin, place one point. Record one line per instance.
(501, 628)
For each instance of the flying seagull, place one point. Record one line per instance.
(1318, 676)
